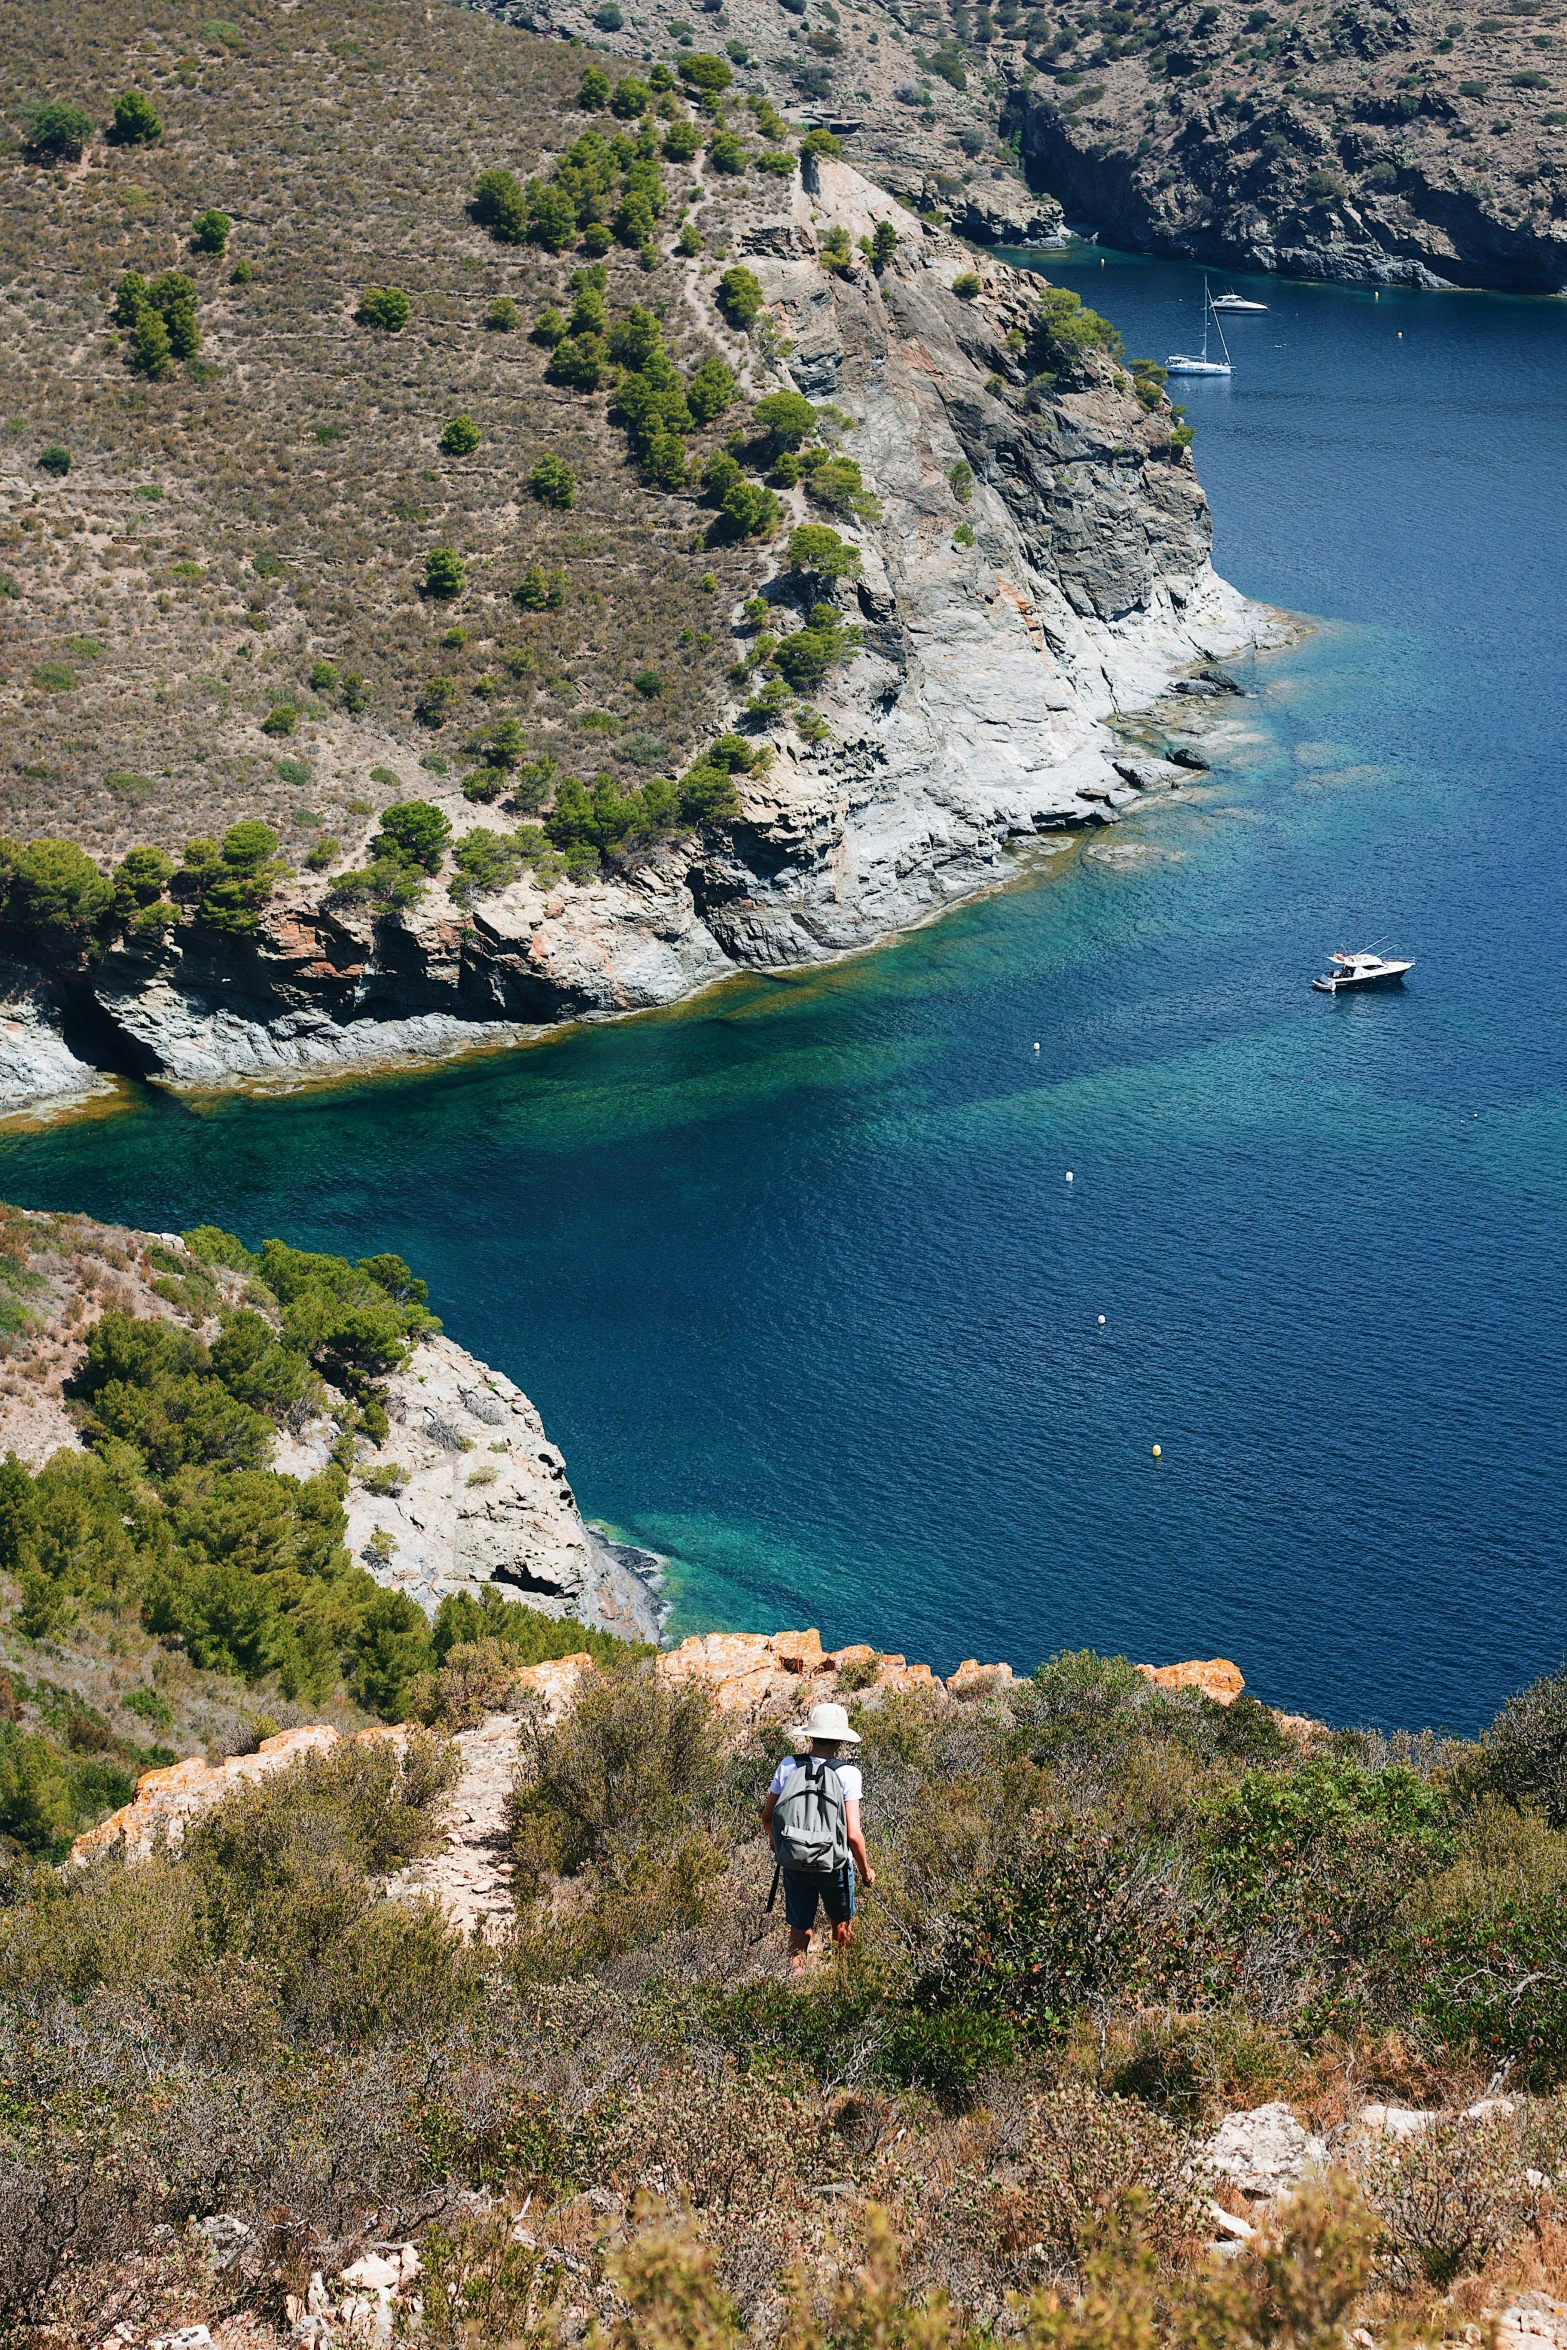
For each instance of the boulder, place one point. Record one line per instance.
(1265, 2152)
(1215, 1676)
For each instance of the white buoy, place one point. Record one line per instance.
(1069, 1174)
(1158, 1452)
(1101, 1321)
(1036, 1048)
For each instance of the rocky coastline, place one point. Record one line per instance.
(1010, 627)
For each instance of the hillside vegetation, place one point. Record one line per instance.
(173, 1590)
(1104, 1914)
(331, 508)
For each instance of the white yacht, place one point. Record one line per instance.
(1362, 970)
(1182, 363)
(1234, 301)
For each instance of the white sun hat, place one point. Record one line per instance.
(825, 1722)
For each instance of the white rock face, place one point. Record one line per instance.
(1264, 2151)
(486, 1501)
(36, 1063)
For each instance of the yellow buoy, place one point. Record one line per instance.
(1158, 1452)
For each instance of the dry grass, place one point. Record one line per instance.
(344, 148)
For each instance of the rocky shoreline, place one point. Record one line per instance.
(1010, 625)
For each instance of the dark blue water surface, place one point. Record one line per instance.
(795, 1275)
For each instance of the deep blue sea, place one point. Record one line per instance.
(794, 1272)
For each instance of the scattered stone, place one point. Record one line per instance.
(1200, 686)
(1397, 2121)
(1182, 755)
(228, 2237)
(187, 2338)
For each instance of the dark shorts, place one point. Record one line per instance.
(802, 1893)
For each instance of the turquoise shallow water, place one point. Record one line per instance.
(794, 1273)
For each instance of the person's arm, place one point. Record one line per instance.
(768, 1809)
(862, 1866)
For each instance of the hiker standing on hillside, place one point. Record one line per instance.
(812, 1815)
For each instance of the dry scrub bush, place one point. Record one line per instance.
(1451, 2198)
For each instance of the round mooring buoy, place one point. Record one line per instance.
(1158, 1452)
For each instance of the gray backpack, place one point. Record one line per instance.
(810, 1821)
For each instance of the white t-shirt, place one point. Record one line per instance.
(850, 1775)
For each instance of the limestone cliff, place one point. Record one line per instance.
(1006, 625)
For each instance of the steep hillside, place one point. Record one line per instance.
(868, 554)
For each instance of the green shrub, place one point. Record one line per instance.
(323, 676)
(634, 1760)
(326, 852)
(282, 719)
(385, 308)
(499, 205)
(1524, 1753)
(56, 677)
(630, 97)
(805, 658)
(135, 121)
(437, 699)
(445, 573)
(552, 482)
(739, 297)
(60, 132)
(232, 880)
(727, 153)
(292, 771)
(503, 317)
(884, 243)
(649, 683)
(210, 231)
(682, 142)
(461, 437)
(967, 286)
(705, 72)
(549, 328)
(961, 477)
(593, 90)
(54, 459)
(415, 831)
(818, 552)
(54, 885)
(821, 143)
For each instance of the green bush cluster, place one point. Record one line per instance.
(404, 855)
(174, 1509)
(54, 891)
(60, 133)
(1066, 327)
(160, 318)
(601, 190)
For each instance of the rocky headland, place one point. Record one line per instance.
(1034, 573)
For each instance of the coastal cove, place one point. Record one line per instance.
(793, 1273)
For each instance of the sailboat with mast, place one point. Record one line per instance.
(1182, 362)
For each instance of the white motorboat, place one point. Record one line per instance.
(1182, 362)
(1362, 970)
(1234, 301)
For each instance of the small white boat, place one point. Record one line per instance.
(1234, 301)
(1182, 363)
(1362, 970)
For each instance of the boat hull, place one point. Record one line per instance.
(1358, 986)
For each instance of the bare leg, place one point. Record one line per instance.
(799, 1948)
